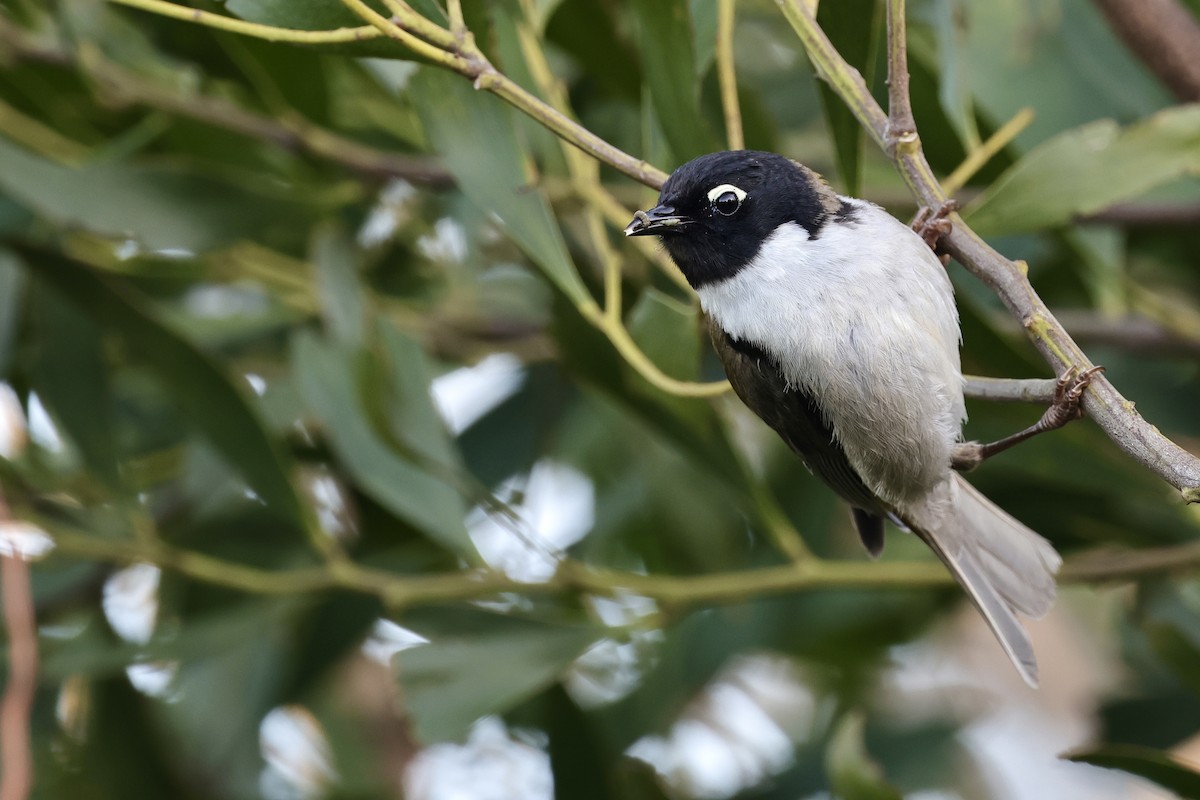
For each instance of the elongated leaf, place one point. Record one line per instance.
(495, 177)
(947, 53)
(665, 46)
(486, 668)
(203, 394)
(1088, 169)
(853, 774)
(410, 413)
(328, 376)
(668, 332)
(853, 27)
(703, 14)
(342, 304)
(1153, 765)
(161, 207)
(70, 376)
(12, 284)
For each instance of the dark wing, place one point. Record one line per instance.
(797, 418)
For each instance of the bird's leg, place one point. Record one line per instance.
(931, 224)
(1066, 407)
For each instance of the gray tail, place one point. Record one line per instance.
(1004, 566)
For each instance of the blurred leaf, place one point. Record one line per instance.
(540, 142)
(853, 774)
(1153, 765)
(409, 412)
(703, 14)
(330, 380)
(668, 331)
(1060, 58)
(953, 64)
(484, 667)
(12, 287)
(497, 177)
(844, 22)
(1088, 169)
(665, 46)
(342, 303)
(201, 391)
(71, 377)
(160, 206)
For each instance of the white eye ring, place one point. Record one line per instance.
(713, 194)
(719, 198)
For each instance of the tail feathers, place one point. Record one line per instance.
(1004, 566)
(1019, 563)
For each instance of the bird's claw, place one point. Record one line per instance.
(1068, 392)
(931, 223)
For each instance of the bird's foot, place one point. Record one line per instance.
(931, 225)
(1068, 392)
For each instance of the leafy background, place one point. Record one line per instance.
(288, 323)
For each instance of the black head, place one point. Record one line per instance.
(715, 211)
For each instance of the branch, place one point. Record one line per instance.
(400, 591)
(1010, 390)
(268, 32)
(16, 757)
(1164, 35)
(1102, 402)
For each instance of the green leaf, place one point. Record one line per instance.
(410, 414)
(343, 306)
(853, 774)
(665, 45)
(948, 55)
(1062, 59)
(497, 178)
(1145, 762)
(329, 377)
(71, 377)
(162, 207)
(485, 667)
(703, 14)
(667, 331)
(1088, 169)
(853, 26)
(12, 285)
(202, 392)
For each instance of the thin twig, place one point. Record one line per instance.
(981, 155)
(16, 755)
(727, 76)
(901, 125)
(1102, 402)
(270, 33)
(398, 590)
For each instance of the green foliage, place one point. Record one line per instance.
(232, 273)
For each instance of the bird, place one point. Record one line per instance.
(836, 324)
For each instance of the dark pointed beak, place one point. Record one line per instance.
(656, 221)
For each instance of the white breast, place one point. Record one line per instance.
(863, 318)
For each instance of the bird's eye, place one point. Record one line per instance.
(727, 203)
(726, 199)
